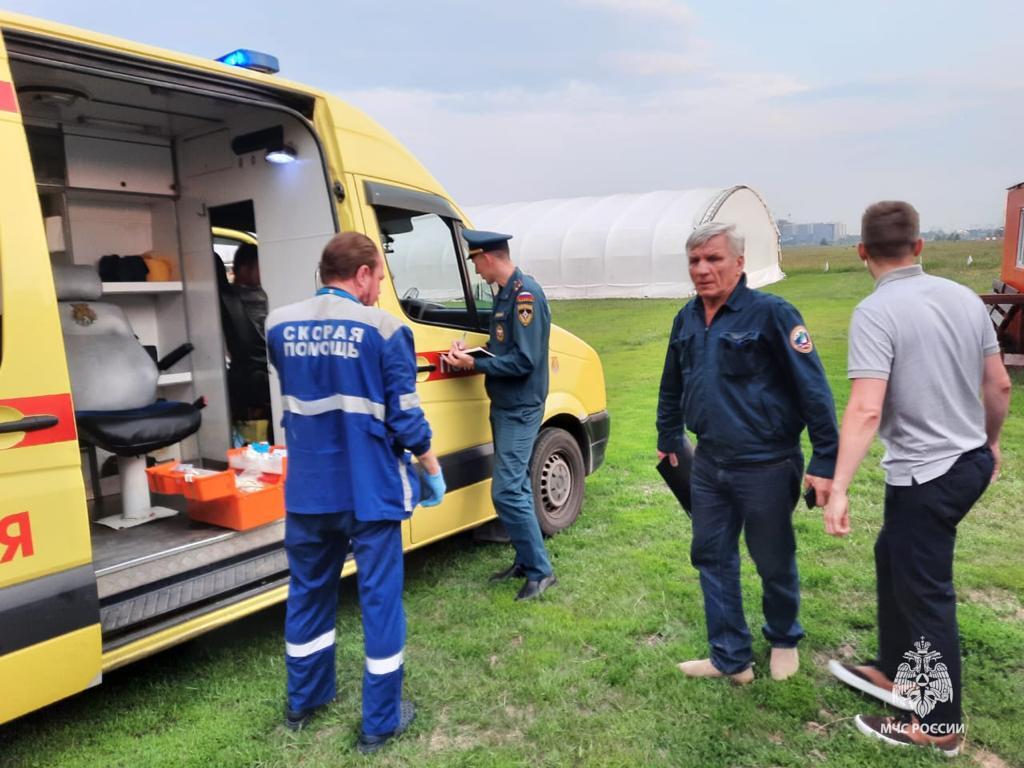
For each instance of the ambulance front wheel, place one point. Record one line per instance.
(557, 475)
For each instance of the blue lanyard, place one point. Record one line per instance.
(338, 292)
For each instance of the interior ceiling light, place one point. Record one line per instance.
(51, 95)
(270, 141)
(281, 155)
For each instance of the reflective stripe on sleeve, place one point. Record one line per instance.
(301, 650)
(345, 403)
(408, 402)
(385, 666)
(406, 487)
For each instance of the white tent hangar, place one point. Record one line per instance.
(630, 245)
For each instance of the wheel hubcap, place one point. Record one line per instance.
(555, 482)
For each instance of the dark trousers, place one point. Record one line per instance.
(515, 432)
(757, 499)
(914, 569)
(316, 546)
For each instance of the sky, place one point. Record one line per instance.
(823, 107)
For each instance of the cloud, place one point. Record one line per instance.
(654, 63)
(665, 10)
(815, 159)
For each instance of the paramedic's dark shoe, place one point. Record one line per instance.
(296, 721)
(869, 679)
(906, 733)
(532, 589)
(514, 571)
(367, 744)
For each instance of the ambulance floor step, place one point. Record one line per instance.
(143, 606)
(134, 559)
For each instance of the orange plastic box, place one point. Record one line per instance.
(167, 478)
(208, 487)
(243, 510)
(164, 478)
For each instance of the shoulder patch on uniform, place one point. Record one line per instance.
(524, 296)
(800, 339)
(524, 311)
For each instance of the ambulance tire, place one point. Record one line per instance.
(557, 475)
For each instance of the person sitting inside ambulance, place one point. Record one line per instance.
(245, 312)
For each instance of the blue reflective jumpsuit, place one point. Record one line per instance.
(351, 417)
(516, 379)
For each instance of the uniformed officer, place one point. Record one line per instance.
(516, 379)
(741, 372)
(347, 372)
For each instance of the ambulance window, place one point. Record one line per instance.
(427, 267)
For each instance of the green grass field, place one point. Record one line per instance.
(587, 677)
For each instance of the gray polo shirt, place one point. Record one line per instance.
(928, 337)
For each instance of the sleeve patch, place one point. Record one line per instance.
(800, 340)
(525, 312)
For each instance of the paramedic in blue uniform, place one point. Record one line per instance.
(741, 372)
(347, 372)
(516, 379)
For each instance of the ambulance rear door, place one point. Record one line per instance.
(50, 642)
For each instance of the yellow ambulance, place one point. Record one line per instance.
(120, 162)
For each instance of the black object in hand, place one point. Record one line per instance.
(677, 478)
(810, 497)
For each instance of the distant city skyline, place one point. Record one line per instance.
(821, 107)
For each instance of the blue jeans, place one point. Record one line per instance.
(758, 499)
(515, 432)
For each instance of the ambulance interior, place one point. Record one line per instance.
(127, 167)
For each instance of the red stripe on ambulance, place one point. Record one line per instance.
(441, 369)
(45, 405)
(8, 100)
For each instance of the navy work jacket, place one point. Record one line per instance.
(746, 385)
(517, 375)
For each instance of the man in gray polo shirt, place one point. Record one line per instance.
(922, 350)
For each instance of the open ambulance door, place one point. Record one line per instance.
(50, 645)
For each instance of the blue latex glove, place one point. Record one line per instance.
(434, 487)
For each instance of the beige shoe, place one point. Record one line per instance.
(785, 663)
(704, 668)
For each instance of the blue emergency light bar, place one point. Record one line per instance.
(255, 60)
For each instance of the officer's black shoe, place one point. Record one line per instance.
(514, 571)
(367, 744)
(532, 589)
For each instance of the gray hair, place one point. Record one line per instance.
(705, 232)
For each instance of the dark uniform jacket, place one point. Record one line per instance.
(517, 375)
(747, 385)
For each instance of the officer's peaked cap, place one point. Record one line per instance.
(480, 241)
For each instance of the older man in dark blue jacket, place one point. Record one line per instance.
(347, 372)
(741, 372)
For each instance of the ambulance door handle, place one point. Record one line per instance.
(429, 368)
(28, 424)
